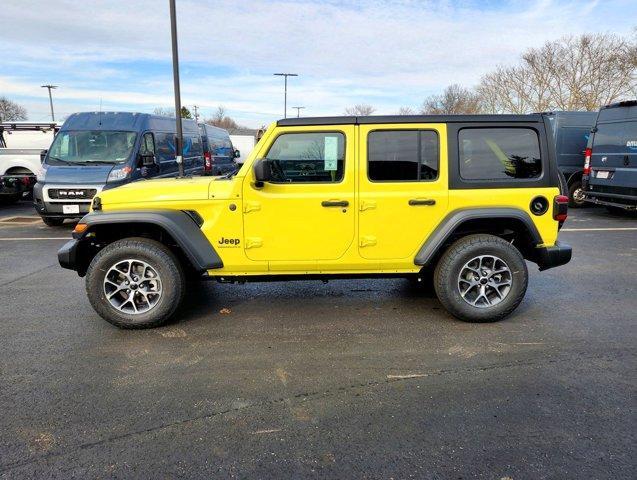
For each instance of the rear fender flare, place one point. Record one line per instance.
(455, 219)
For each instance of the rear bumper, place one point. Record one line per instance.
(67, 255)
(628, 202)
(549, 257)
(16, 184)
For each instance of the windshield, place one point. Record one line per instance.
(91, 146)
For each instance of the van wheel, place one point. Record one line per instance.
(135, 283)
(52, 222)
(576, 194)
(481, 278)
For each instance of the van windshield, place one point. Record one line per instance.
(91, 147)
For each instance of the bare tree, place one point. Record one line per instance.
(164, 112)
(455, 99)
(11, 111)
(573, 73)
(219, 119)
(362, 109)
(406, 111)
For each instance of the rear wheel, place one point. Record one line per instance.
(135, 283)
(52, 222)
(576, 194)
(481, 278)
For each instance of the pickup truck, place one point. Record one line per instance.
(22, 147)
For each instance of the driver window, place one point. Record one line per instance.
(148, 144)
(307, 157)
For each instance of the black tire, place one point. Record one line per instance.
(452, 263)
(575, 194)
(156, 255)
(10, 199)
(52, 222)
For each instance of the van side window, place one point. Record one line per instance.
(307, 157)
(402, 155)
(499, 153)
(148, 144)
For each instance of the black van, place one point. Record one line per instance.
(219, 154)
(571, 131)
(610, 167)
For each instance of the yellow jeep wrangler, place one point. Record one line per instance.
(464, 200)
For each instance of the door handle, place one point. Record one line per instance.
(422, 201)
(335, 203)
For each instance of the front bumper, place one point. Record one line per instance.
(55, 208)
(549, 257)
(67, 255)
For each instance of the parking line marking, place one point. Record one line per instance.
(609, 229)
(33, 238)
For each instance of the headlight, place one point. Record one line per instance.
(119, 173)
(41, 173)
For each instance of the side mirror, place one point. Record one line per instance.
(262, 171)
(148, 159)
(43, 155)
(237, 154)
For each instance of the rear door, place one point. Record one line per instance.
(614, 157)
(403, 187)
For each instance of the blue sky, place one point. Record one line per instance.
(390, 53)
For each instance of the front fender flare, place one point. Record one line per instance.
(179, 225)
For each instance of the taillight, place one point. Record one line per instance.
(560, 208)
(588, 153)
(207, 161)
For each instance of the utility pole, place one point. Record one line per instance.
(196, 109)
(179, 144)
(50, 87)
(298, 111)
(285, 95)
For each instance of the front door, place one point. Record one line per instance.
(403, 188)
(306, 213)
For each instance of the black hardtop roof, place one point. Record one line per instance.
(374, 119)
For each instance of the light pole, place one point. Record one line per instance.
(298, 111)
(180, 133)
(50, 87)
(285, 95)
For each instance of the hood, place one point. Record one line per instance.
(77, 175)
(158, 190)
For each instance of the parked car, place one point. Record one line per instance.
(465, 199)
(101, 150)
(219, 154)
(21, 147)
(571, 131)
(610, 167)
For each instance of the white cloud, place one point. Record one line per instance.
(388, 53)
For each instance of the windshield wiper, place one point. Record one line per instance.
(67, 162)
(101, 162)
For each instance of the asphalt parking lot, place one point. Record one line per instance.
(350, 379)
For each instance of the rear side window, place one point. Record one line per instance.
(499, 153)
(573, 140)
(402, 155)
(307, 157)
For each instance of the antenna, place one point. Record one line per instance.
(100, 114)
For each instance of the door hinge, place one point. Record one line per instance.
(253, 242)
(367, 241)
(251, 207)
(367, 205)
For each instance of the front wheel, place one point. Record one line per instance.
(481, 278)
(135, 283)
